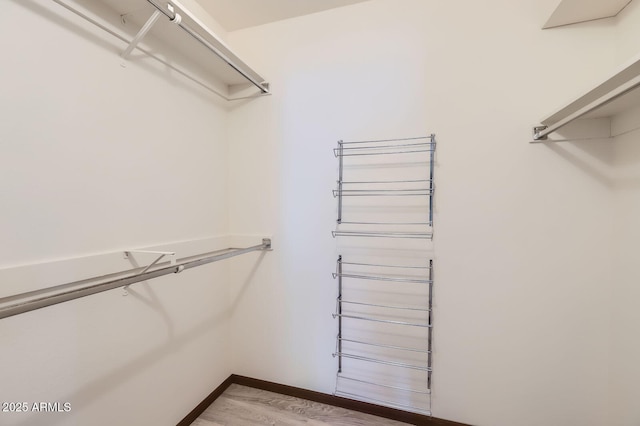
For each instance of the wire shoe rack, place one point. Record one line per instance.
(384, 303)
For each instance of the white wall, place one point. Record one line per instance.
(523, 243)
(627, 28)
(95, 158)
(625, 350)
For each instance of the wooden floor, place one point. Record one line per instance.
(244, 406)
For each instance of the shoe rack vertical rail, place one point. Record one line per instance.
(380, 298)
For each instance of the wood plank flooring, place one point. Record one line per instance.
(245, 406)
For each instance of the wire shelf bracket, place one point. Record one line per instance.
(143, 32)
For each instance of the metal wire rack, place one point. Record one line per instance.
(384, 309)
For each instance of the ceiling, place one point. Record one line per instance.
(237, 14)
(574, 11)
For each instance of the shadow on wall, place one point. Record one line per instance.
(245, 285)
(595, 158)
(152, 301)
(627, 153)
(115, 48)
(110, 380)
(613, 162)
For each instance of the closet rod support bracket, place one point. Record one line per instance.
(160, 254)
(536, 133)
(143, 32)
(267, 244)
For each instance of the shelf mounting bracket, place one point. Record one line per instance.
(143, 32)
(536, 133)
(160, 254)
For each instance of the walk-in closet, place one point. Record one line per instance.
(328, 212)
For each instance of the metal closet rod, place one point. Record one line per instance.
(150, 53)
(172, 16)
(31, 304)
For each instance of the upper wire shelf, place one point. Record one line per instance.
(227, 75)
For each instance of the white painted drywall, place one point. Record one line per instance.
(625, 350)
(523, 238)
(523, 233)
(627, 28)
(98, 156)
